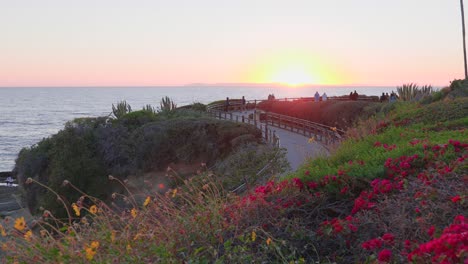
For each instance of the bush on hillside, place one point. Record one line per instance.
(89, 149)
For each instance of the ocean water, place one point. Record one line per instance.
(28, 115)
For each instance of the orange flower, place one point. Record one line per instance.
(134, 212)
(268, 241)
(91, 250)
(113, 236)
(147, 201)
(28, 235)
(2, 230)
(76, 209)
(93, 209)
(333, 129)
(20, 224)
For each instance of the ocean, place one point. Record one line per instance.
(30, 114)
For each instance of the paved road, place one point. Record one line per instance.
(299, 148)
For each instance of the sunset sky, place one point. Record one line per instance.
(155, 42)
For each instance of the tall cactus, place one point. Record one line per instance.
(121, 109)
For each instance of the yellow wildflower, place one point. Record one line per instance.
(76, 209)
(254, 236)
(93, 209)
(2, 230)
(133, 212)
(91, 250)
(113, 236)
(268, 241)
(311, 139)
(28, 235)
(174, 192)
(20, 224)
(147, 201)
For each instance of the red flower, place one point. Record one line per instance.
(344, 190)
(312, 185)
(456, 199)
(298, 183)
(431, 231)
(388, 238)
(385, 255)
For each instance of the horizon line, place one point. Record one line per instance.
(203, 85)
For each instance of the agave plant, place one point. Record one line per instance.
(121, 109)
(167, 104)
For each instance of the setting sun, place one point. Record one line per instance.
(295, 69)
(292, 75)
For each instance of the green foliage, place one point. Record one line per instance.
(412, 92)
(249, 164)
(89, 149)
(198, 107)
(69, 155)
(148, 108)
(167, 105)
(121, 109)
(136, 119)
(435, 123)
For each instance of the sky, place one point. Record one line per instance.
(176, 42)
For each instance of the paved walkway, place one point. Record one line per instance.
(298, 147)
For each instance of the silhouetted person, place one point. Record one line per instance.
(392, 97)
(243, 104)
(9, 181)
(351, 96)
(382, 98)
(324, 96)
(226, 104)
(355, 95)
(316, 97)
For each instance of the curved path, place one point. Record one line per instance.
(299, 148)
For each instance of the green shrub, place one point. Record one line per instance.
(121, 109)
(167, 104)
(412, 92)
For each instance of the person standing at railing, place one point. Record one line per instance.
(324, 96)
(226, 104)
(243, 108)
(316, 97)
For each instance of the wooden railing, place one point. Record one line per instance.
(236, 104)
(315, 131)
(268, 135)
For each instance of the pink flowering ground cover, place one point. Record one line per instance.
(396, 191)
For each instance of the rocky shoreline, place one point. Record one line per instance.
(11, 202)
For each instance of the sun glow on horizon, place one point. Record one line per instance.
(295, 69)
